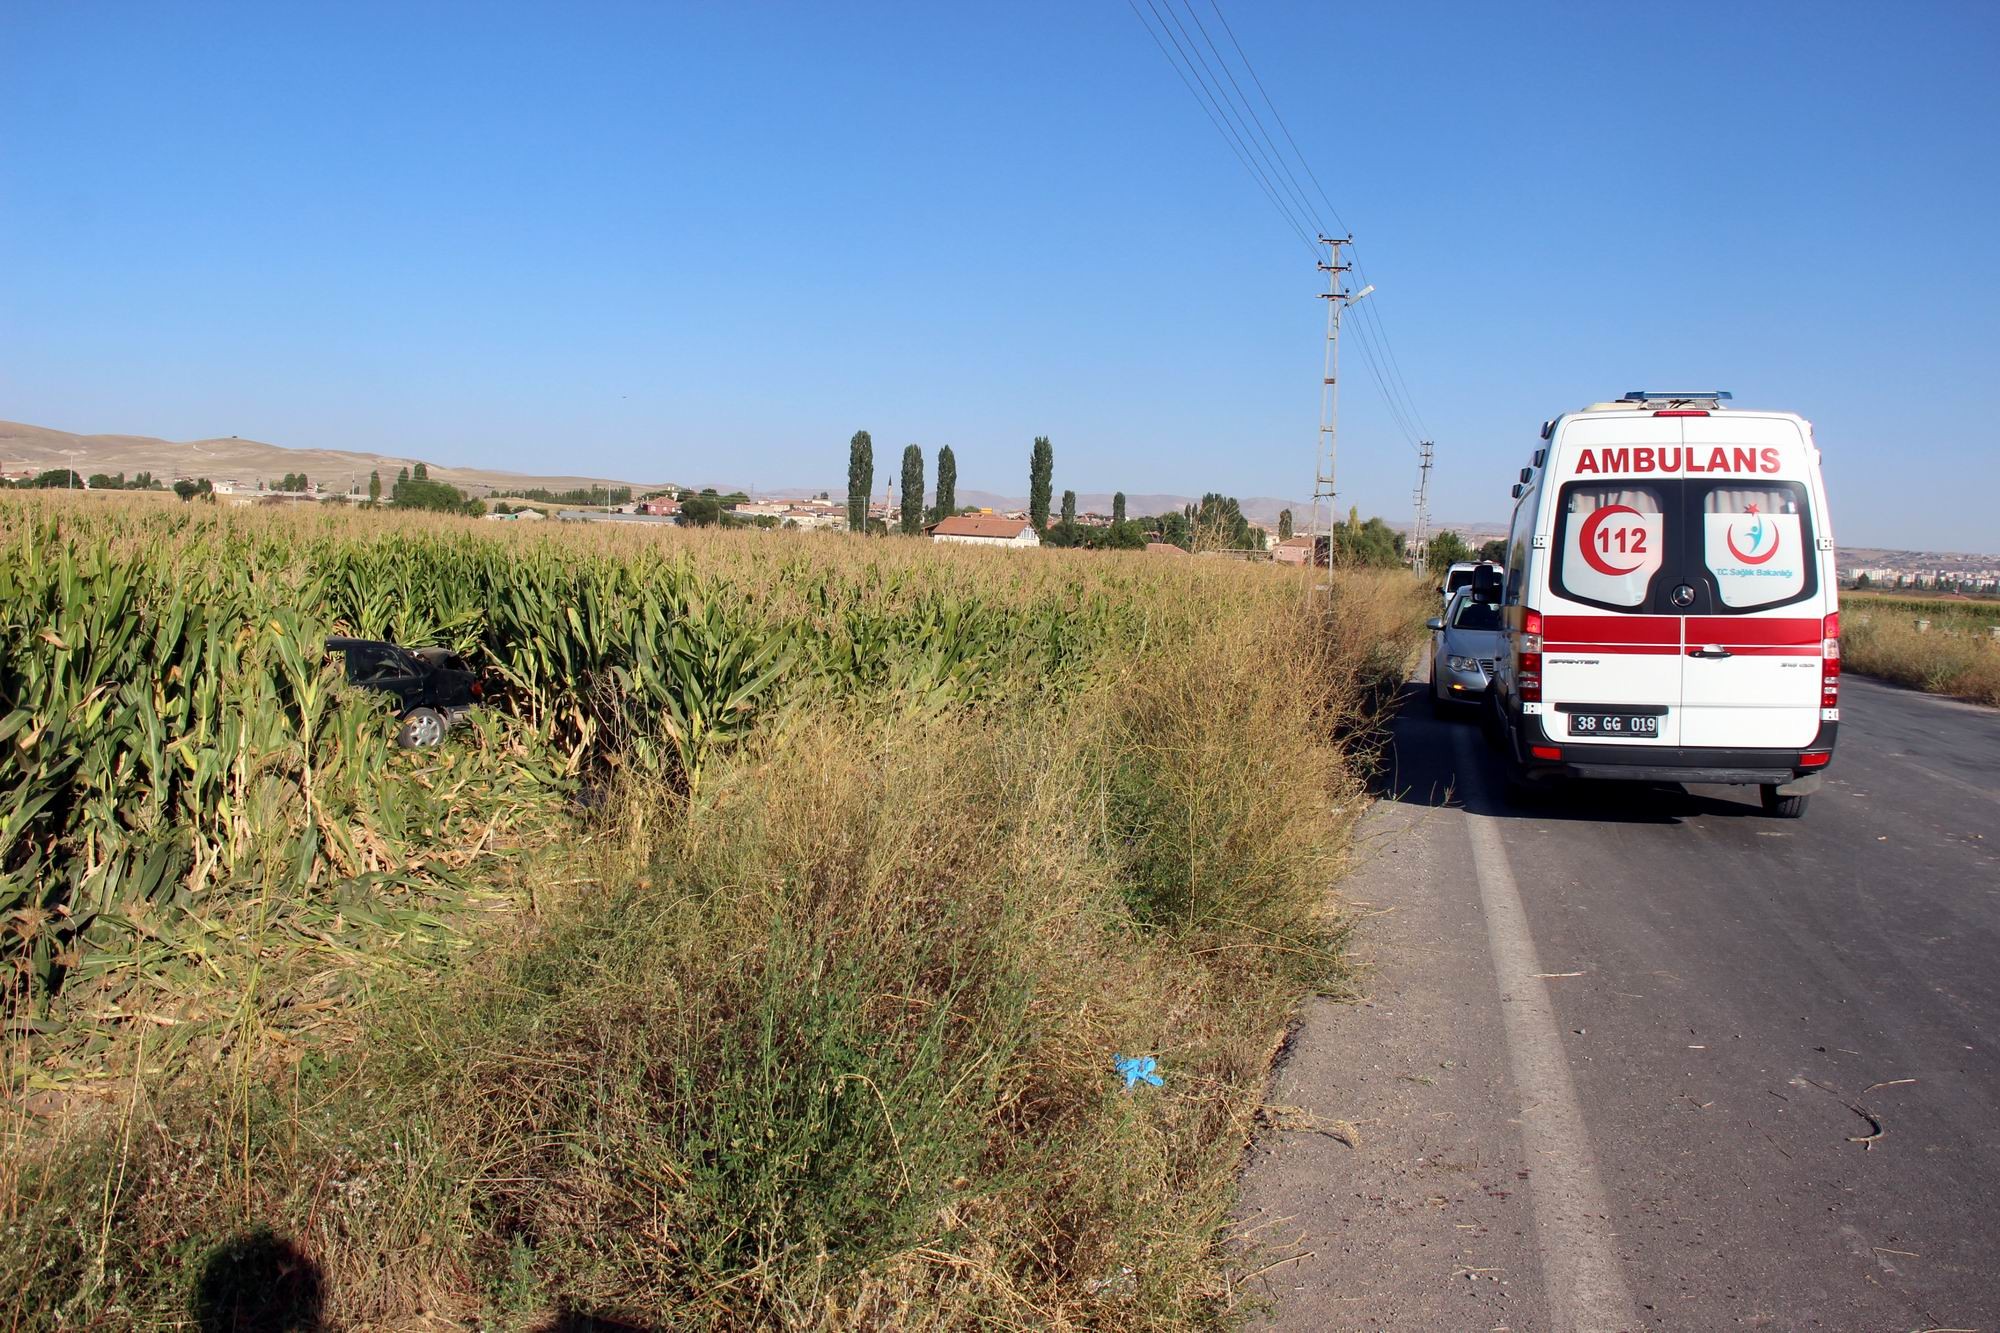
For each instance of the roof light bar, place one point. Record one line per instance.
(1677, 396)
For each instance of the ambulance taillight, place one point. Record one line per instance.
(1829, 655)
(1529, 677)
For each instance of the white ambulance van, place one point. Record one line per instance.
(1670, 602)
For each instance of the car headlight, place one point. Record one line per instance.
(1464, 664)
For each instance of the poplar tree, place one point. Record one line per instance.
(1069, 509)
(375, 487)
(1041, 474)
(1284, 524)
(860, 480)
(913, 490)
(1118, 507)
(947, 484)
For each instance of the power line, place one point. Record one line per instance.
(1395, 368)
(1393, 371)
(1274, 158)
(1392, 381)
(1212, 110)
(1244, 56)
(1395, 363)
(1241, 126)
(1396, 414)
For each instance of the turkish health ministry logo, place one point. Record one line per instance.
(1759, 537)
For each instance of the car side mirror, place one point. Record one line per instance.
(1435, 622)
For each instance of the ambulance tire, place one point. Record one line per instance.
(1517, 787)
(1490, 724)
(1781, 807)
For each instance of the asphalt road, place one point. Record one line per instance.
(1646, 1058)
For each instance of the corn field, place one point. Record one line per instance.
(177, 749)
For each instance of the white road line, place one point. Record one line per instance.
(1583, 1284)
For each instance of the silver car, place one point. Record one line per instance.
(1465, 640)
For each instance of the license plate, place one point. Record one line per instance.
(1614, 724)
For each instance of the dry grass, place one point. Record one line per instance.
(1960, 659)
(825, 1042)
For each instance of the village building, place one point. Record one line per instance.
(1293, 550)
(984, 530)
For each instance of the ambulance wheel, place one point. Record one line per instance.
(1781, 807)
(1517, 787)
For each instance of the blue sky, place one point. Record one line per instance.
(709, 242)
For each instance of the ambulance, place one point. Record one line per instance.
(1669, 602)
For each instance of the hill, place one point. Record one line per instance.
(25, 448)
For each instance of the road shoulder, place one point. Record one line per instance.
(1389, 1187)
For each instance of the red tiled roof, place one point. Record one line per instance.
(1164, 548)
(978, 525)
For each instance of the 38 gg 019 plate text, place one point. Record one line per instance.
(1614, 724)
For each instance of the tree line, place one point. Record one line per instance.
(1215, 522)
(62, 478)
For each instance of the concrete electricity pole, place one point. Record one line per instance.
(1337, 299)
(1420, 533)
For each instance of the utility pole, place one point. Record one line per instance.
(1420, 534)
(1337, 299)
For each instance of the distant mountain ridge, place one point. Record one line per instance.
(25, 448)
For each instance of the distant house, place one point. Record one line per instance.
(661, 505)
(1293, 550)
(984, 530)
(613, 516)
(810, 515)
(1163, 548)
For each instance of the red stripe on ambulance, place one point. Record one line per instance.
(1749, 631)
(1564, 631)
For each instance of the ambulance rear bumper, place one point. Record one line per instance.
(1689, 764)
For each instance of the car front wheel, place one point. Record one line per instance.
(421, 727)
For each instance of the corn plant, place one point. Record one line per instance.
(173, 742)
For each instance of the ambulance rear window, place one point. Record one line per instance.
(1611, 542)
(1757, 544)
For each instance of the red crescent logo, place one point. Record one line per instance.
(1729, 539)
(1588, 537)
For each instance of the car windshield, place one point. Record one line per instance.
(1476, 615)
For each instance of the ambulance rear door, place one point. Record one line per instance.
(1751, 670)
(1611, 639)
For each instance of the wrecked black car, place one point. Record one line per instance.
(433, 687)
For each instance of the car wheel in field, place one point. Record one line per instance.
(421, 727)
(1781, 807)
